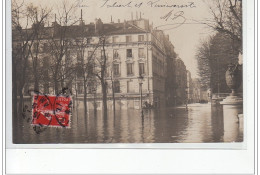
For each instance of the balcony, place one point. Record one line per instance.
(130, 75)
(116, 75)
(116, 58)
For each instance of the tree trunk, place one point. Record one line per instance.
(36, 84)
(55, 78)
(62, 83)
(104, 91)
(55, 86)
(85, 97)
(21, 98)
(114, 100)
(35, 74)
(14, 97)
(95, 105)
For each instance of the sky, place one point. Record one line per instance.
(186, 34)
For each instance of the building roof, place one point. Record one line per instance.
(82, 30)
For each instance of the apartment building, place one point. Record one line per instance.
(134, 51)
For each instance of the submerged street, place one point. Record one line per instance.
(200, 123)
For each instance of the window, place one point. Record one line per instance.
(141, 52)
(130, 87)
(116, 69)
(115, 53)
(117, 87)
(45, 47)
(140, 38)
(90, 53)
(46, 88)
(79, 57)
(129, 53)
(91, 69)
(102, 54)
(91, 88)
(80, 88)
(80, 71)
(88, 40)
(129, 68)
(141, 68)
(35, 47)
(115, 39)
(128, 39)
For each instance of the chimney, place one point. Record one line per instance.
(136, 15)
(55, 24)
(81, 14)
(132, 16)
(111, 19)
(118, 20)
(98, 25)
(140, 15)
(81, 22)
(36, 16)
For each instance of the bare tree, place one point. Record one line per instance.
(85, 67)
(113, 90)
(60, 43)
(37, 46)
(203, 57)
(102, 65)
(213, 56)
(23, 40)
(227, 18)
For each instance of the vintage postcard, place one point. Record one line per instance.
(127, 71)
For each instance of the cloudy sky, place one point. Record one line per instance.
(185, 33)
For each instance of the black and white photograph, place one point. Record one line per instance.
(127, 71)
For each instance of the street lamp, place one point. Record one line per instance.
(140, 80)
(186, 96)
(94, 98)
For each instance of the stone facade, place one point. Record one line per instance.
(181, 82)
(132, 48)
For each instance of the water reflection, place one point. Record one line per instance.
(217, 123)
(200, 123)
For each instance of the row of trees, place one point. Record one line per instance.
(215, 53)
(54, 56)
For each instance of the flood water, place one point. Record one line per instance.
(201, 123)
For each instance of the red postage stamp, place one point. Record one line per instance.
(51, 110)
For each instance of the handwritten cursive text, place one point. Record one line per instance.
(158, 3)
(177, 19)
(81, 3)
(127, 4)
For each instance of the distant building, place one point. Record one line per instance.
(170, 83)
(181, 82)
(189, 87)
(199, 94)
